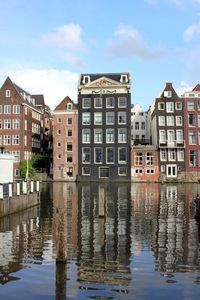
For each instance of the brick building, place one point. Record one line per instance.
(20, 123)
(65, 123)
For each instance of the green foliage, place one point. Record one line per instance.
(31, 165)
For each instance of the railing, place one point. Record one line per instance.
(140, 142)
(18, 188)
(173, 144)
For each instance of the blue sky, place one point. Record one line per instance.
(45, 45)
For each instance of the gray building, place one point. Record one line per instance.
(104, 125)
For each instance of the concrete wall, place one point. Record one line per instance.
(6, 167)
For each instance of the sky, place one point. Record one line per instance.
(46, 45)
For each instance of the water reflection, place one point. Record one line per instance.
(103, 241)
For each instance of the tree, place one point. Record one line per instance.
(31, 165)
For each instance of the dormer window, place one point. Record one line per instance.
(69, 106)
(86, 79)
(7, 93)
(168, 94)
(124, 79)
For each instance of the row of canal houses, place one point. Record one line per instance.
(104, 136)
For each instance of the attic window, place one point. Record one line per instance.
(168, 94)
(86, 79)
(124, 79)
(7, 93)
(69, 106)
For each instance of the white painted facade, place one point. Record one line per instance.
(139, 124)
(6, 167)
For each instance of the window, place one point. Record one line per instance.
(7, 109)
(122, 117)
(25, 124)
(97, 102)
(122, 102)
(139, 159)
(110, 102)
(86, 135)
(69, 158)
(16, 155)
(1, 110)
(97, 135)
(16, 172)
(98, 118)
(191, 120)
(7, 124)
(138, 171)
(15, 140)
(137, 126)
(69, 132)
(59, 132)
(179, 121)
(25, 110)
(171, 137)
(122, 171)
(150, 171)
(86, 155)
(69, 146)
(110, 135)
(193, 158)
(180, 154)
(86, 171)
(168, 94)
(59, 120)
(110, 117)
(59, 144)
(122, 135)
(122, 155)
(190, 105)
(98, 155)
(16, 109)
(161, 121)
(171, 154)
(6, 139)
(110, 155)
(162, 136)
(178, 105)
(149, 159)
(179, 136)
(25, 140)
(86, 102)
(86, 118)
(170, 120)
(170, 107)
(143, 125)
(69, 121)
(192, 138)
(69, 106)
(161, 105)
(163, 155)
(0, 123)
(198, 120)
(0, 140)
(123, 79)
(69, 172)
(7, 93)
(86, 79)
(59, 156)
(104, 172)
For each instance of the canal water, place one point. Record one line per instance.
(103, 241)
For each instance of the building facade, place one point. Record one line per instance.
(192, 132)
(20, 123)
(104, 124)
(65, 120)
(139, 126)
(167, 127)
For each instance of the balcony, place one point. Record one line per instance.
(172, 144)
(140, 142)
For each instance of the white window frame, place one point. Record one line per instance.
(86, 141)
(119, 116)
(161, 120)
(104, 168)
(95, 116)
(121, 161)
(170, 120)
(98, 163)
(120, 99)
(179, 121)
(180, 154)
(86, 174)
(7, 139)
(163, 155)
(86, 162)
(7, 124)
(122, 134)
(100, 133)
(8, 93)
(176, 106)
(120, 174)
(1, 109)
(16, 109)
(170, 107)
(107, 141)
(159, 106)
(15, 139)
(7, 109)
(88, 115)
(83, 103)
(107, 99)
(113, 155)
(96, 99)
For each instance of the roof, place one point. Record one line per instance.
(39, 100)
(113, 76)
(196, 88)
(63, 104)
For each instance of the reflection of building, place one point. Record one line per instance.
(104, 126)
(65, 141)
(104, 242)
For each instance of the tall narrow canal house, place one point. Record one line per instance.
(104, 124)
(167, 129)
(65, 141)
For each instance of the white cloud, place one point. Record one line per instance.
(53, 84)
(74, 60)
(183, 87)
(192, 31)
(66, 36)
(127, 42)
